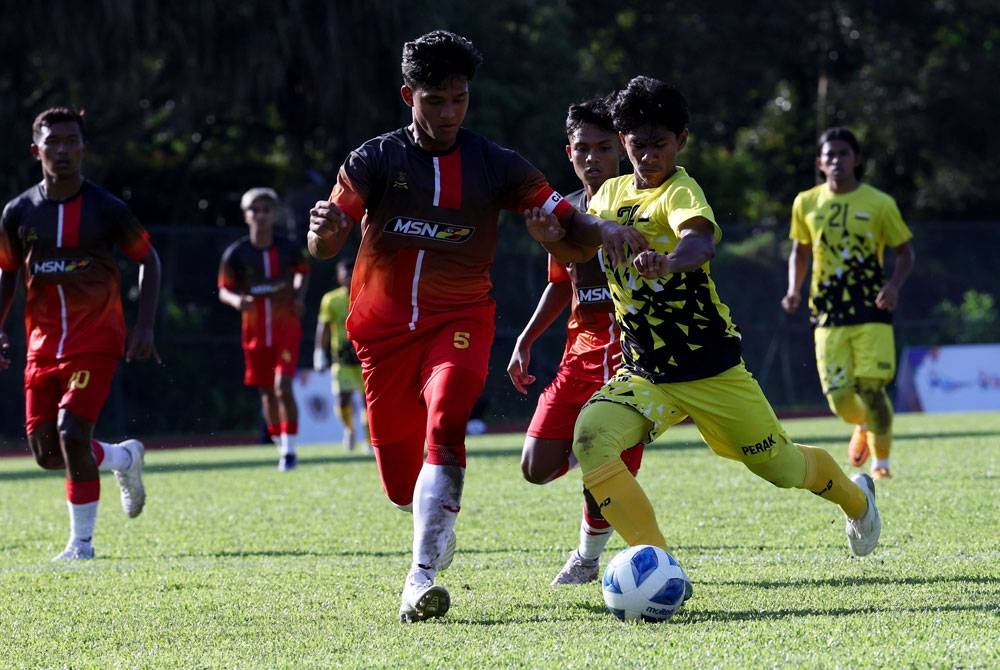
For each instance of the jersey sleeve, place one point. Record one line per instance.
(894, 229)
(558, 274)
(325, 314)
(526, 188)
(799, 230)
(228, 278)
(686, 201)
(354, 183)
(129, 234)
(11, 252)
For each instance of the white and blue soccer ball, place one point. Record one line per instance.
(644, 583)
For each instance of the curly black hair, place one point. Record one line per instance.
(649, 102)
(431, 59)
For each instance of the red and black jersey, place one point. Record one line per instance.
(593, 346)
(267, 275)
(429, 225)
(66, 250)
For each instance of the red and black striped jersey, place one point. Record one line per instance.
(66, 251)
(429, 225)
(267, 275)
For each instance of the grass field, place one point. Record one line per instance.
(235, 565)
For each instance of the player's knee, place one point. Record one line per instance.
(786, 469)
(48, 457)
(839, 399)
(872, 391)
(72, 433)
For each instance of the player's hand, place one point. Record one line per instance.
(517, 369)
(619, 241)
(320, 360)
(327, 221)
(651, 264)
(887, 298)
(4, 351)
(141, 346)
(543, 227)
(790, 303)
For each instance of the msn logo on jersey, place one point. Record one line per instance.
(59, 266)
(429, 230)
(594, 294)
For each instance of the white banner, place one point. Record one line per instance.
(318, 423)
(952, 378)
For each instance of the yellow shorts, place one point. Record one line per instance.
(845, 353)
(347, 378)
(730, 411)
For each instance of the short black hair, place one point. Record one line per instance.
(54, 115)
(844, 135)
(596, 112)
(431, 59)
(649, 102)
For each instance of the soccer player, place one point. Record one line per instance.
(680, 348)
(331, 337)
(844, 226)
(428, 197)
(263, 276)
(62, 233)
(592, 352)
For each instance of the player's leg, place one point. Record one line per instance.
(343, 391)
(836, 366)
(736, 421)
(259, 374)
(285, 363)
(626, 411)
(875, 366)
(83, 484)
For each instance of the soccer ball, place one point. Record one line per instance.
(644, 583)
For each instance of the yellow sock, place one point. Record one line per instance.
(624, 504)
(825, 478)
(346, 414)
(880, 444)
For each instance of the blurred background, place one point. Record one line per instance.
(191, 102)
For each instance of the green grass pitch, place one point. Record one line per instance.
(235, 565)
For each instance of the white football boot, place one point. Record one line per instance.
(578, 570)
(863, 533)
(133, 494)
(422, 599)
(75, 551)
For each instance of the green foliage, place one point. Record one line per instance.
(974, 321)
(235, 565)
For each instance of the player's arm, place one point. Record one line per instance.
(300, 283)
(141, 345)
(583, 233)
(321, 346)
(8, 286)
(329, 227)
(695, 247)
(554, 300)
(798, 265)
(888, 297)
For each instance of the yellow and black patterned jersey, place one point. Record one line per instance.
(848, 233)
(674, 328)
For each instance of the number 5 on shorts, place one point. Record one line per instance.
(461, 339)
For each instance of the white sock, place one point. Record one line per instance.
(116, 457)
(437, 498)
(593, 540)
(881, 463)
(81, 522)
(287, 445)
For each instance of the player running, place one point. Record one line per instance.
(681, 350)
(845, 225)
(332, 342)
(428, 197)
(263, 276)
(62, 233)
(592, 352)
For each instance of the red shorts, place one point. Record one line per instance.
(560, 404)
(397, 369)
(263, 362)
(79, 384)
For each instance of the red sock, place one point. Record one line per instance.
(273, 430)
(288, 428)
(81, 493)
(98, 450)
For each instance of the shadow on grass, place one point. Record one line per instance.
(862, 581)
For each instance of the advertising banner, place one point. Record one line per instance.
(952, 378)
